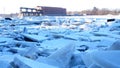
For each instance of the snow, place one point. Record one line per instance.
(60, 42)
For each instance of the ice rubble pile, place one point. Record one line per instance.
(59, 42)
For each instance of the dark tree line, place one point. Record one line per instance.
(97, 11)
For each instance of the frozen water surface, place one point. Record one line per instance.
(60, 42)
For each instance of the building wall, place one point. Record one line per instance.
(42, 10)
(53, 11)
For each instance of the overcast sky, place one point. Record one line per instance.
(12, 6)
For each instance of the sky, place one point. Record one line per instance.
(12, 6)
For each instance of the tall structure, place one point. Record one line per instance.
(43, 10)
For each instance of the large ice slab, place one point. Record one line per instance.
(35, 38)
(115, 46)
(61, 57)
(4, 64)
(31, 52)
(23, 62)
(106, 59)
(102, 59)
(6, 41)
(5, 61)
(87, 59)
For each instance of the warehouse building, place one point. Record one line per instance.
(42, 11)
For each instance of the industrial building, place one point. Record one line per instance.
(42, 11)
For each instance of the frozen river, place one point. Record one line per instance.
(60, 42)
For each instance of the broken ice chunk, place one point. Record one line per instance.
(22, 62)
(115, 46)
(61, 57)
